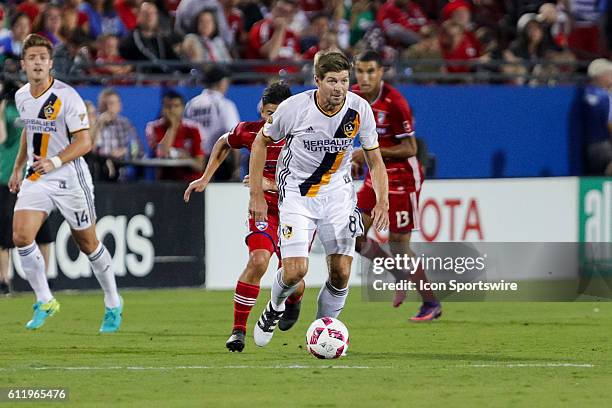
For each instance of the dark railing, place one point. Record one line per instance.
(537, 72)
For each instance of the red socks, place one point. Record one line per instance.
(244, 300)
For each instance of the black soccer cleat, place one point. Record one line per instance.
(290, 317)
(236, 341)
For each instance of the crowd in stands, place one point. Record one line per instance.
(519, 33)
(113, 38)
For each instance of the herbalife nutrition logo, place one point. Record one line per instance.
(596, 210)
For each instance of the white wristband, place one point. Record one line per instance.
(57, 162)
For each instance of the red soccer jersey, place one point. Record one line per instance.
(411, 17)
(243, 135)
(468, 48)
(393, 123)
(188, 137)
(260, 33)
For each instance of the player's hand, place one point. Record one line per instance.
(15, 182)
(380, 216)
(258, 209)
(42, 165)
(196, 185)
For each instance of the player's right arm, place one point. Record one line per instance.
(219, 153)
(20, 162)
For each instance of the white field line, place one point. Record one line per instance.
(194, 367)
(289, 367)
(529, 365)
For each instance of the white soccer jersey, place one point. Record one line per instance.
(316, 158)
(49, 120)
(215, 113)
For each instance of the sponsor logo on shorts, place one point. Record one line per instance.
(62, 184)
(261, 225)
(287, 231)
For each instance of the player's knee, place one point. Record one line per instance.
(339, 275)
(294, 270)
(21, 238)
(258, 264)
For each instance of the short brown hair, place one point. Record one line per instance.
(333, 61)
(35, 40)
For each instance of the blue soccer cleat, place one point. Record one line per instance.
(41, 312)
(112, 318)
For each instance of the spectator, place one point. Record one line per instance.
(188, 11)
(108, 56)
(128, 10)
(71, 57)
(556, 24)
(531, 46)
(319, 26)
(49, 24)
(115, 136)
(71, 25)
(206, 45)
(329, 42)
(585, 38)
(31, 8)
(103, 19)
(217, 115)
(174, 137)
(253, 11)
(598, 118)
(10, 137)
(401, 21)
(82, 20)
(362, 18)
(147, 43)
(457, 46)
(427, 48)
(10, 45)
(235, 23)
(3, 17)
(272, 40)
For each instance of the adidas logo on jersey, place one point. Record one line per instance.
(310, 130)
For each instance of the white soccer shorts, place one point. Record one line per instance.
(334, 217)
(73, 198)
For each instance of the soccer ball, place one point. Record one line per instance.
(327, 338)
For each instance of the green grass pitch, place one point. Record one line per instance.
(171, 352)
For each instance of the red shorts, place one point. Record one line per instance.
(403, 208)
(264, 235)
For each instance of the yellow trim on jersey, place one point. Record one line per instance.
(44, 144)
(371, 148)
(314, 189)
(45, 91)
(56, 109)
(322, 111)
(34, 177)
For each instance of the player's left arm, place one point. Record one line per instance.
(373, 158)
(380, 183)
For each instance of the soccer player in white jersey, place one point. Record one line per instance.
(316, 191)
(54, 139)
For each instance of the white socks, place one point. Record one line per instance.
(331, 301)
(101, 260)
(33, 265)
(281, 291)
